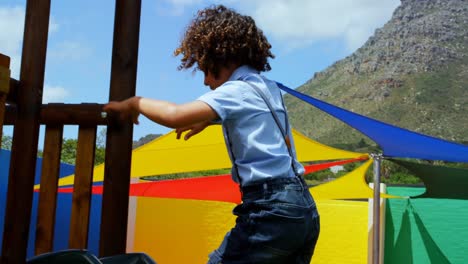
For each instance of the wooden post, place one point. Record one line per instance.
(26, 132)
(119, 137)
(82, 186)
(48, 193)
(4, 88)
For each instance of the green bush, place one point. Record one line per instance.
(185, 175)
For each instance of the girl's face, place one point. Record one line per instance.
(213, 82)
(224, 75)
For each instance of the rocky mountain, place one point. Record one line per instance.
(412, 73)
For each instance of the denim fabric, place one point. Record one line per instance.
(277, 223)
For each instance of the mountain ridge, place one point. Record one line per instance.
(411, 73)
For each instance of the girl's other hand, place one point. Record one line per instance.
(125, 109)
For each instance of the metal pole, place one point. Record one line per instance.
(376, 209)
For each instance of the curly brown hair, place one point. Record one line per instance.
(220, 36)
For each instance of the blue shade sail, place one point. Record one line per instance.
(62, 214)
(394, 141)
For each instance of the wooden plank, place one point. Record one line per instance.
(13, 93)
(4, 88)
(4, 60)
(64, 114)
(4, 74)
(81, 205)
(10, 115)
(2, 114)
(73, 114)
(48, 192)
(119, 137)
(26, 132)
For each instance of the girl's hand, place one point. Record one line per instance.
(193, 130)
(126, 109)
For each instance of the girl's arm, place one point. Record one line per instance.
(162, 112)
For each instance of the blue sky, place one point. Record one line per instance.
(306, 35)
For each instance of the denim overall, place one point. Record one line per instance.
(277, 221)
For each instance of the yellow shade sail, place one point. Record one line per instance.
(165, 226)
(350, 186)
(205, 151)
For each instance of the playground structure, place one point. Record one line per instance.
(196, 213)
(26, 112)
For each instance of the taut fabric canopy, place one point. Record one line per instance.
(350, 186)
(213, 188)
(440, 181)
(394, 141)
(205, 151)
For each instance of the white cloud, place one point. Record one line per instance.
(11, 29)
(69, 50)
(184, 2)
(298, 23)
(302, 22)
(176, 7)
(11, 35)
(56, 94)
(53, 25)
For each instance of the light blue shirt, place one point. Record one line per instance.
(254, 140)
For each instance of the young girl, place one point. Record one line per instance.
(277, 221)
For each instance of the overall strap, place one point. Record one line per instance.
(275, 117)
(239, 179)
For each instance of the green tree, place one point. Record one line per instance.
(392, 173)
(361, 144)
(184, 175)
(99, 155)
(68, 154)
(69, 149)
(100, 151)
(101, 137)
(320, 176)
(348, 167)
(7, 142)
(402, 178)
